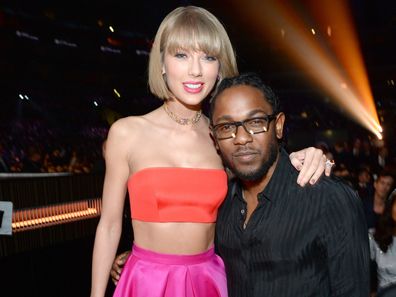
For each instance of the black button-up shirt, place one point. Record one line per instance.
(299, 241)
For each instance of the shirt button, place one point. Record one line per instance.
(242, 211)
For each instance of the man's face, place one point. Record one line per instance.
(383, 185)
(248, 156)
(364, 177)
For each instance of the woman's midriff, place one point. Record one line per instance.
(174, 238)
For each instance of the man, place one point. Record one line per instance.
(275, 237)
(364, 185)
(374, 204)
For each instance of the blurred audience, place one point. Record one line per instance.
(31, 146)
(3, 165)
(383, 246)
(33, 161)
(364, 185)
(374, 204)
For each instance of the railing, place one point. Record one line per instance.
(49, 208)
(39, 217)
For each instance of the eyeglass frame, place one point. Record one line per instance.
(237, 124)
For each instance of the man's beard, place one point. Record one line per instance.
(262, 171)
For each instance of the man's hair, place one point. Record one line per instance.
(386, 173)
(247, 79)
(189, 28)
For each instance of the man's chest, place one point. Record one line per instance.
(275, 231)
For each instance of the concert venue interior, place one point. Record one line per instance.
(70, 69)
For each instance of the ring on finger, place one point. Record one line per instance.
(329, 163)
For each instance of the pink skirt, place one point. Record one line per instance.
(151, 274)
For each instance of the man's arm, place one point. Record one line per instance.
(346, 240)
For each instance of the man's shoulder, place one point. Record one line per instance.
(333, 186)
(338, 194)
(332, 191)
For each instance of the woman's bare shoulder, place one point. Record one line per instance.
(127, 126)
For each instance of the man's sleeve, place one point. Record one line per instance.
(345, 237)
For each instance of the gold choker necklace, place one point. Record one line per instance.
(183, 121)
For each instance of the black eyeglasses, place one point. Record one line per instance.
(252, 126)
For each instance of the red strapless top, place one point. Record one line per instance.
(177, 194)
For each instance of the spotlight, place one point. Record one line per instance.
(117, 93)
(337, 67)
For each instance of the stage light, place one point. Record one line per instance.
(329, 30)
(111, 29)
(335, 64)
(117, 93)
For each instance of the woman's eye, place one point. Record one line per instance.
(210, 58)
(180, 55)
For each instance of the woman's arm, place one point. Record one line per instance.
(109, 228)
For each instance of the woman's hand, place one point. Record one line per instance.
(311, 162)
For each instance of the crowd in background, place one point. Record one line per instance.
(32, 146)
(370, 169)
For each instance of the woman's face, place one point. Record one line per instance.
(190, 75)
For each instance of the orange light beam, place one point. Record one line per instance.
(346, 83)
(345, 44)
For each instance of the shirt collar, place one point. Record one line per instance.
(279, 178)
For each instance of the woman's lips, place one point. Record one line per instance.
(193, 87)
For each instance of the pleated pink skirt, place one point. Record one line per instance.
(151, 274)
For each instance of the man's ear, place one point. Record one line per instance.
(279, 124)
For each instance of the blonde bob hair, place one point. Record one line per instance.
(191, 28)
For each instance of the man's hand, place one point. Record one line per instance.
(117, 266)
(311, 162)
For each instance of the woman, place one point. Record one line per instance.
(383, 245)
(175, 177)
